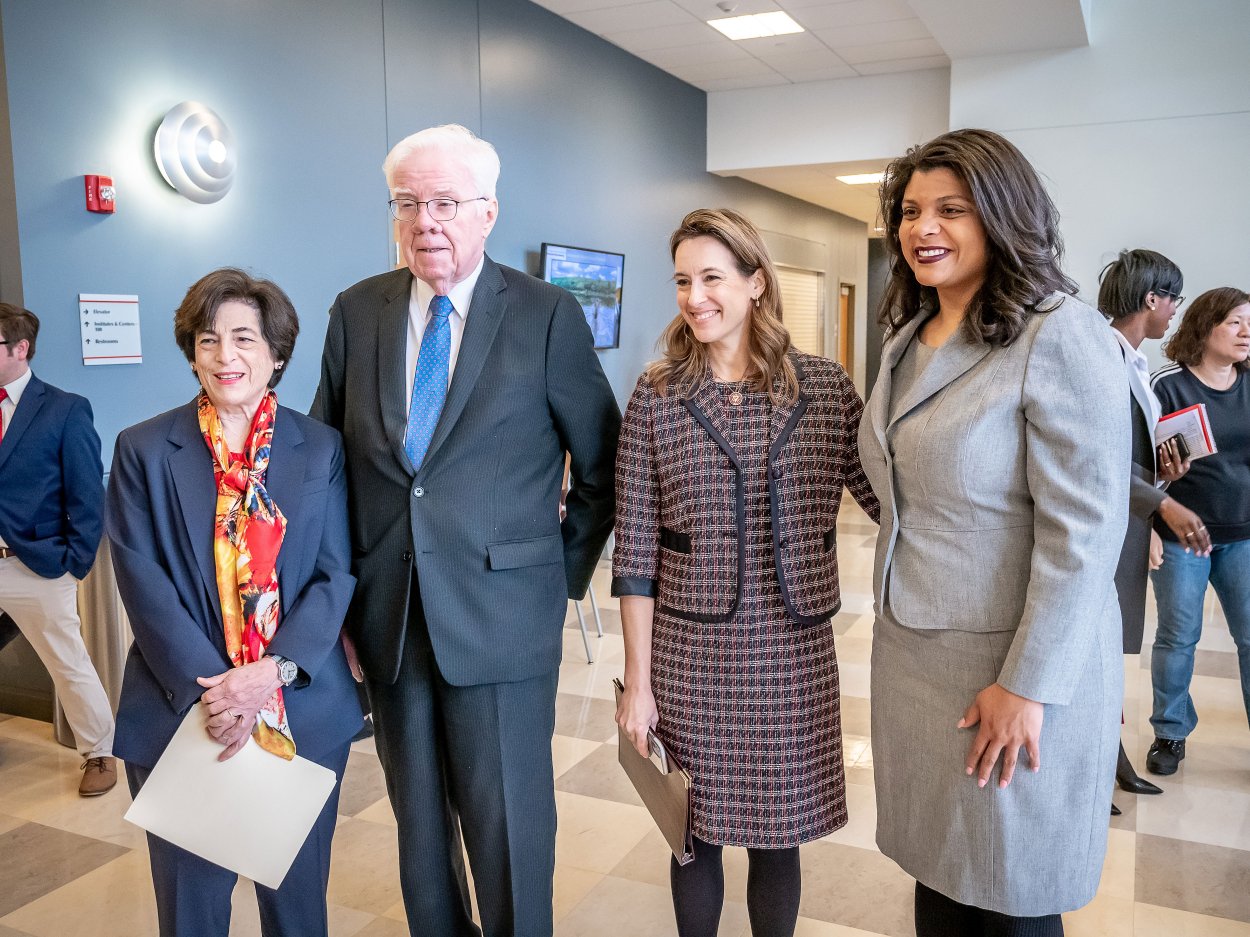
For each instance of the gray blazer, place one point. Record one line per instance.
(1024, 491)
(480, 518)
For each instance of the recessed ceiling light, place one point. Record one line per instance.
(756, 25)
(866, 178)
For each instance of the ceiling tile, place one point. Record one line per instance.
(695, 55)
(883, 51)
(799, 75)
(827, 15)
(564, 7)
(903, 65)
(772, 47)
(873, 33)
(720, 70)
(635, 16)
(665, 37)
(708, 10)
(807, 60)
(733, 84)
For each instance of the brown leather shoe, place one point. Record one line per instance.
(99, 776)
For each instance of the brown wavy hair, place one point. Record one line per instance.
(1025, 251)
(1188, 344)
(684, 360)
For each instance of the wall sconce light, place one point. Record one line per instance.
(195, 152)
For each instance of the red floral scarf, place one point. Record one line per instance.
(247, 536)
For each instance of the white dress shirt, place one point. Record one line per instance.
(1139, 381)
(419, 300)
(8, 406)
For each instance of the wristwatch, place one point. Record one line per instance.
(288, 670)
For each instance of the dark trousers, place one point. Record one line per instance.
(939, 916)
(471, 760)
(193, 894)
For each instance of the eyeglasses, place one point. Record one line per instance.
(440, 209)
(1176, 296)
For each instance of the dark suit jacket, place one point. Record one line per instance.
(51, 482)
(161, 509)
(1144, 499)
(681, 532)
(480, 519)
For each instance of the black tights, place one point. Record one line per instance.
(773, 885)
(939, 916)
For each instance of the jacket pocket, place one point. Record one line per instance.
(47, 529)
(513, 554)
(675, 540)
(701, 583)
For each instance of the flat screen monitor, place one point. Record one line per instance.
(595, 279)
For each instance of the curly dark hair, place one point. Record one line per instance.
(1189, 341)
(1025, 251)
(279, 324)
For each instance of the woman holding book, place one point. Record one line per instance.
(1209, 362)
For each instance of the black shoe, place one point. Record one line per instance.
(1115, 811)
(1129, 780)
(1165, 756)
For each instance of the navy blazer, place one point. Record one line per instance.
(161, 510)
(52, 482)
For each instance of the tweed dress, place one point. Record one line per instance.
(750, 705)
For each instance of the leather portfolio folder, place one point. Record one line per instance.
(664, 787)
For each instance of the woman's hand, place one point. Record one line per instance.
(234, 698)
(1187, 526)
(1156, 549)
(1008, 722)
(636, 713)
(1171, 465)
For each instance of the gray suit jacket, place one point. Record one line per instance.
(1016, 461)
(480, 519)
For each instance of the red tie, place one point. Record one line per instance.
(4, 395)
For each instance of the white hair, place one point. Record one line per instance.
(478, 156)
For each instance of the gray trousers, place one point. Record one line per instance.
(471, 760)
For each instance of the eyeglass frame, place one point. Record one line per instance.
(1176, 296)
(394, 209)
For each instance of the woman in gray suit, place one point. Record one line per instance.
(997, 438)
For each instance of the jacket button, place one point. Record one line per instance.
(776, 471)
(407, 557)
(418, 492)
(783, 543)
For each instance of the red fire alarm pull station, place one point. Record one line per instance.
(101, 196)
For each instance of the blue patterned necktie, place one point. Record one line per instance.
(429, 384)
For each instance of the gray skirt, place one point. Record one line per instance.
(1036, 847)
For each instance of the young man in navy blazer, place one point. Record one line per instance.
(51, 515)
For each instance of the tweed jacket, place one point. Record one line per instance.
(1017, 461)
(681, 505)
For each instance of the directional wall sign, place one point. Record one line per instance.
(110, 329)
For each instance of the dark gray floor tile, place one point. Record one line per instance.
(37, 859)
(584, 717)
(1193, 877)
(363, 783)
(600, 775)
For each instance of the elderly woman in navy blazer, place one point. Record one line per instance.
(734, 455)
(228, 522)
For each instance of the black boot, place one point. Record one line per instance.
(1128, 779)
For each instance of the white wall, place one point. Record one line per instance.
(1143, 136)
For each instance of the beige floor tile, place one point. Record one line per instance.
(856, 887)
(10, 932)
(599, 775)
(37, 860)
(585, 717)
(364, 866)
(363, 783)
(1119, 870)
(1193, 877)
(571, 886)
(383, 927)
(807, 927)
(1105, 916)
(379, 812)
(1153, 921)
(1196, 814)
(861, 826)
(595, 835)
(114, 900)
(567, 752)
(619, 906)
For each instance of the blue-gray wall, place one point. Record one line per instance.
(599, 149)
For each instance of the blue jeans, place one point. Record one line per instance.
(1180, 587)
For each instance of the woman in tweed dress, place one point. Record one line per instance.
(733, 457)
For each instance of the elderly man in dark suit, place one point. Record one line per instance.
(459, 385)
(51, 516)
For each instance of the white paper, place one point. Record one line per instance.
(250, 814)
(110, 328)
(1191, 423)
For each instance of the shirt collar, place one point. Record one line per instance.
(1133, 354)
(16, 387)
(460, 294)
